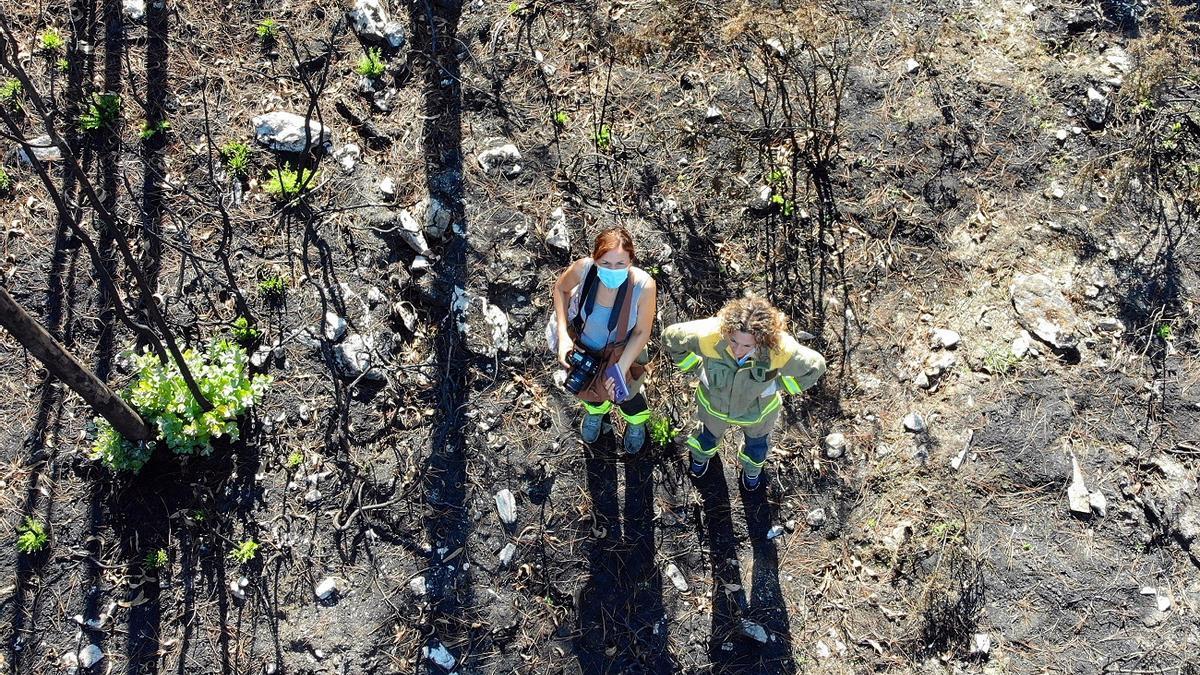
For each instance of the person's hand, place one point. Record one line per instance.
(611, 386)
(565, 345)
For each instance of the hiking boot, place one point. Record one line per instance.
(751, 484)
(697, 469)
(635, 438)
(590, 427)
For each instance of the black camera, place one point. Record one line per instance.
(583, 369)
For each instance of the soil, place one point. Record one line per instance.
(936, 185)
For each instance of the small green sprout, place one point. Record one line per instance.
(10, 92)
(237, 158)
(659, 428)
(273, 288)
(155, 560)
(5, 182)
(267, 31)
(561, 118)
(295, 459)
(62, 65)
(243, 332)
(103, 112)
(150, 130)
(514, 7)
(371, 64)
(31, 536)
(245, 551)
(286, 183)
(1163, 331)
(51, 40)
(603, 137)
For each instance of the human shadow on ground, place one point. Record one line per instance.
(621, 624)
(740, 624)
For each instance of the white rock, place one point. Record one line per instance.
(922, 380)
(762, 198)
(236, 591)
(393, 32)
(835, 445)
(1077, 492)
(911, 66)
(353, 358)
(375, 296)
(90, 656)
(370, 19)
(335, 327)
(412, 233)
(776, 45)
(944, 338)
(676, 578)
(43, 149)
(914, 422)
(435, 216)
(1043, 310)
(504, 158)
(134, 10)
(753, 631)
(1119, 59)
(557, 234)
(417, 585)
(284, 131)
(1098, 503)
(419, 263)
(1029, 9)
(326, 588)
(981, 643)
(506, 505)
(388, 187)
(439, 655)
(507, 553)
(347, 156)
(713, 114)
(497, 320)
(822, 650)
(816, 517)
(1062, 134)
(312, 496)
(1148, 590)
(1163, 602)
(775, 531)
(1110, 325)
(1020, 346)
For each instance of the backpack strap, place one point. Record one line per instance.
(620, 319)
(587, 298)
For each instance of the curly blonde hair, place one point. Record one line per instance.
(756, 316)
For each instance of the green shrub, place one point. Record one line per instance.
(31, 536)
(103, 113)
(295, 459)
(245, 551)
(284, 184)
(603, 137)
(62, 65)
(162, 398)
(243, 332)
(273, 288)
(5, 182)
(267, 31)
(156, 559)
(561, 118)
(10, 92)
(51, 40)
(151, 130)
(371, 64)
(659, 429)
(237, 158)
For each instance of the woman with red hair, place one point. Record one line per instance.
(605, 306)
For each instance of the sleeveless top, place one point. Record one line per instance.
(595, 335)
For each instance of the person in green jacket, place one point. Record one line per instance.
(745, 360)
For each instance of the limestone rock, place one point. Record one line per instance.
(284, 131)
(1044, 311)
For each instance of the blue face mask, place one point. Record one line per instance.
(612, 278)
(746, 359)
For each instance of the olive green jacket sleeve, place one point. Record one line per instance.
(685, 342)
(799, 367)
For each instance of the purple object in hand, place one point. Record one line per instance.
(620, 389)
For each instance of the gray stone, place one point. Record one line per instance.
(347, 157)
(1096, 110)
(981, 643)
(676, 578)
(1077, 492)
(557, 234)
(417, 585)
(335, 327)
(284, 131)
(506, 506)
(326, 589)
(90, 656)
(439, 655)
(434, 215)
(387, 187)
(753, 630)
(412, 233)
(134, 10)
(944, 338)
(1098, 503)
(43, 149)
(1110, 325)
(922, 380)
(815, 518)
(352, 358)
(370, 19)
(507, 553)
(504, 158)
(835, 445)
(1044, 311)
(914, 422)
(761, 199)
(713, 114)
